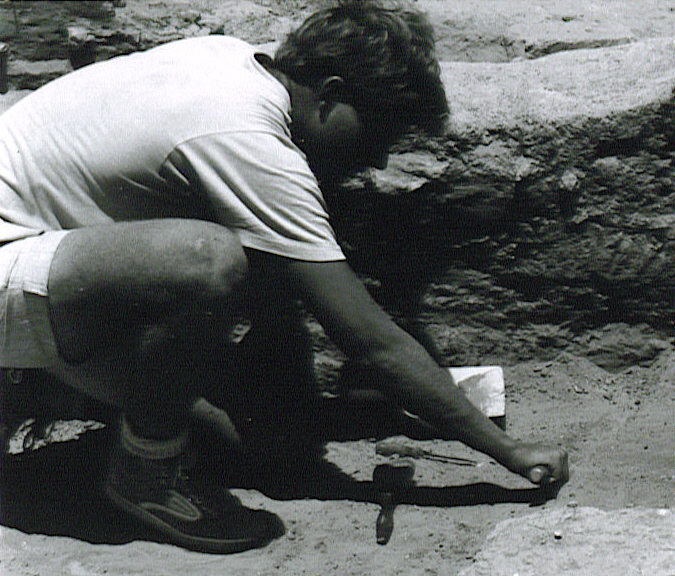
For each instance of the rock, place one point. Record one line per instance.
(580, 541)
(466, 30)
(479, 31)
(11, 98)
(618, 345)
(547, 208)
(27, 75)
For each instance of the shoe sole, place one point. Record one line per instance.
(194, 543)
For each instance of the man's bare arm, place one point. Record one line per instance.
(356, 323)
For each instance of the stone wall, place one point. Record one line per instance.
(542, 221)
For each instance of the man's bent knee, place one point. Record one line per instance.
(106, 279)
(214, 260)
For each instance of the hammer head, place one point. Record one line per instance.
(394, 475)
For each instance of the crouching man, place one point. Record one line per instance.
(140, 196)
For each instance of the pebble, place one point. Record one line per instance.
(557, 535)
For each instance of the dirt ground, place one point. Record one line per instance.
(618, 429)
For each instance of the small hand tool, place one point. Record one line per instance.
(537, 474)
(392, 447)
(391, 479)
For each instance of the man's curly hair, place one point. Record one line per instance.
(386, 56)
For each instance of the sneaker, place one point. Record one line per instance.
(185, 507)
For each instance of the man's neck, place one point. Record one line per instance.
(266, 61)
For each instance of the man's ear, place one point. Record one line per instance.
(331, 91)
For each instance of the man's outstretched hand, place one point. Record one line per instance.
(539, 463)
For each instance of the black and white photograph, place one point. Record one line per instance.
(337, 288)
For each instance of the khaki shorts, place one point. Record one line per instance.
(26, 337)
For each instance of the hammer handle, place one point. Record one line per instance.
(385, 520)
(399, 449)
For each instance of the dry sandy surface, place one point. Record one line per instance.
(618, 428)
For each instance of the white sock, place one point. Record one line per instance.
(150, 448)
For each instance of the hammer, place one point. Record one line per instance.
(390, 479)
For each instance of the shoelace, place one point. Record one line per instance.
(200, 495)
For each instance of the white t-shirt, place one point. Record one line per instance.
(194, 128)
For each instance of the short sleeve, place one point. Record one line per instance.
(260, 186)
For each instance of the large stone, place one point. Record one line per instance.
(467, 30)
(580, 542)
(544, 213)
(497, 31)
(30, 75)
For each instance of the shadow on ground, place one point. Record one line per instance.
(56, 490)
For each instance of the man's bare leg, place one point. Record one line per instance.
(150, 297)
(156, 293)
